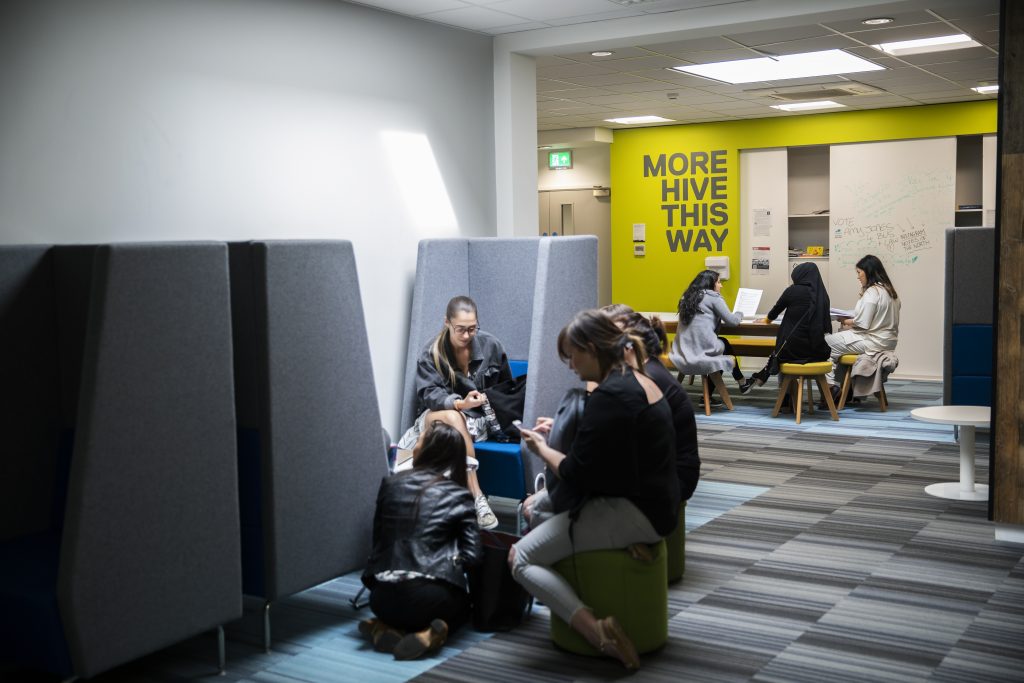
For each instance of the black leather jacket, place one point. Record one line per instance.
(440, 541)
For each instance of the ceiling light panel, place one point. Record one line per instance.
(784, 67)
(807, 106)
(638, 119)
(925, 45)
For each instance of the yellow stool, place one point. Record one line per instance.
(847, 361)
(803, 372)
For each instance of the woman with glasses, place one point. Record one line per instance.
(452, 373)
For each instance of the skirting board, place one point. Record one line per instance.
(1010, 533)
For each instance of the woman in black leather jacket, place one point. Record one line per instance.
(425, 534)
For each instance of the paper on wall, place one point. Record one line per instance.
(762, 222)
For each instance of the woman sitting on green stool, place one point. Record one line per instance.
(620, 471)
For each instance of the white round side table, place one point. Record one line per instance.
(967, 418)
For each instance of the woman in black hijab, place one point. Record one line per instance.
(801, 337)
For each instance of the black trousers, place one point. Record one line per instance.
(411, 605)
(737, 374)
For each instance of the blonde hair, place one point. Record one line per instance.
(443, 362)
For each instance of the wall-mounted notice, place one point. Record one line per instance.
(639, 249)
(639, 232)
(762, 222)
(760, 261)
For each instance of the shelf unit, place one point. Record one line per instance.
(808, 196)
(969, 156)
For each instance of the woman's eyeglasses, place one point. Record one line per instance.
(462, 330)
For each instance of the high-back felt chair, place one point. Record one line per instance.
(138, 548)
(526, 289)
(311, 450)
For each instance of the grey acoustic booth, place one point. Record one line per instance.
(311, 451)
(119, 484)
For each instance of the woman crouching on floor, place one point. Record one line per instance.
(425, 535)
(620, 472)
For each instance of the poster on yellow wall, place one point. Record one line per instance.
(682, 183)
(683, 189)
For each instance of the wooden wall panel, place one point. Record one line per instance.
(1007, 457)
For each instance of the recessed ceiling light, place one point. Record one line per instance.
(805, 65)
(923, 45)
(986, 89)
(876, 21)
(807, 106)
(601, 53)
(544, 147)
(639, 119)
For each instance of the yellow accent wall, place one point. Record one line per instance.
(692, 182)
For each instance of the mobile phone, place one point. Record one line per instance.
(518, 424)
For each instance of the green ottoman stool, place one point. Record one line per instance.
(611, 582)
(676, 542)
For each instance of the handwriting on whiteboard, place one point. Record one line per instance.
(901, 242)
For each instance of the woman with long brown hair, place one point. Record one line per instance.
(619, 475)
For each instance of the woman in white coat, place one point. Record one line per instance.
(875, 324)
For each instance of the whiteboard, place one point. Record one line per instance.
(895, 200)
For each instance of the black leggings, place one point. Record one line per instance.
(411, 605)
(737, 374)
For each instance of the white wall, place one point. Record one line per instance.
(123, 120)
(590, 166)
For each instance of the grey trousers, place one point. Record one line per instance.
(603, 523)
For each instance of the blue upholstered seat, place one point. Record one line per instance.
(31, 632)
(518, 367)
(972, 365)
(501, 464)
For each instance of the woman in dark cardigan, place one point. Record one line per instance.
(801, 337)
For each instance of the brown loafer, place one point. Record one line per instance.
(414, 645)
(615, 643)
(384, 637)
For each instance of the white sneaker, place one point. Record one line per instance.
(485, 517)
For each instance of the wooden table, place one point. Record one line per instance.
(967, 418)
(760, 347)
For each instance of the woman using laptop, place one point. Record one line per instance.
(697, 348)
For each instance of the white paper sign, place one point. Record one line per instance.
(639, 232)
(762, 222)
(747, 301)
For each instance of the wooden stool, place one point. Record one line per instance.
(847, 361)
(801, 372)
(716, 379)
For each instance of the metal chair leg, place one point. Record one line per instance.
(221, 656)
(266, 627)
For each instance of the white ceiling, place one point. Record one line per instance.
(576, 90)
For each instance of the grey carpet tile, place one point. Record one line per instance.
(840, 661)
(813, 554)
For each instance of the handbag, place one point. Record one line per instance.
(567, 420)
(508, 400)
(499, 602)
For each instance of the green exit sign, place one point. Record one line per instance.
(560, 160)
